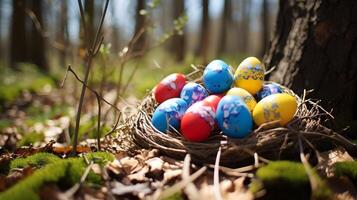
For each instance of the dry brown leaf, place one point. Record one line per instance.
(331, 157)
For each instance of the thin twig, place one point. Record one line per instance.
(216, 189)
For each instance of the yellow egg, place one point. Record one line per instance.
(246, 96)
(250, 75)
(275, 107)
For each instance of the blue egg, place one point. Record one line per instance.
(217, 77)
(269, 89)
(233, 117)
(169, 112)
(193, 92)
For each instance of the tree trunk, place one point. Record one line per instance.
(178, 41)
(205, 33)
(37, 43)
(265, 27)
(62, 34)
(226, 20)
(315, 47)
(140, 44)
(18, 34)
(245, 25)
(89, 12)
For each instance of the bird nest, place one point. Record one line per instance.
(268, 141)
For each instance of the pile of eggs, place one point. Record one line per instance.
(231, 103)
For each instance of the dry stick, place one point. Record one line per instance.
(216, 189)
(71, 191)
(190, 189)
(178, 186)
(312, 178)
(98, 96)
(89, 57)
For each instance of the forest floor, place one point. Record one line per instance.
(36, 163)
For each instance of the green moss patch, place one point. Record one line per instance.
(285, 179)
(63, 172)
(348, 169)
(35, 160)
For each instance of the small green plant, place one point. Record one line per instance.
(348, 168)
(30, 138)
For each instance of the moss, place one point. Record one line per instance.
(55, 170)
(100, 157)
(348, 168)
(176, 196)
(285, 179)
(35, 160)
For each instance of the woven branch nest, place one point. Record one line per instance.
(266, 141)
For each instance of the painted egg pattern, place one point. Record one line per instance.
(193, 92)
(169, 112)
(269, 89)
(250, 75)
(212, 100)
(234, 117)
(169, 87)
(198, 122)
(276, 107)
(217, 77)
(246, 96)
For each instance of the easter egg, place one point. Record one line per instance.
(246, 96)
(269, 89)
(198, 122)
(250, 75)
(234, 117)
(193, 92)
(212, 100)
(170, 112)
(217, 77)
(281, 107)
(169, 87)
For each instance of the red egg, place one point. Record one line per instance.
(169, 87)
(198, 122)
(212, 100)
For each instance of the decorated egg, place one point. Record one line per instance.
(169, 87)
(212, 100)
(193, 92)
(281, 107)
(246, 96)
(269, 89)
(198, 122)
(234, 117)
(250, 75)
(170, 112)
(217, 77)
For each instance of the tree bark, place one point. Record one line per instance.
(226, 20)
(62, 34)
(178, 41)
(315, 47)
(245, 25)
(205, 33)
(37, 41)
(265, 27)
(140, 44)
(18, 34)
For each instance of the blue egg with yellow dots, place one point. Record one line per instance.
(217, 77)
(193, 92)
(169, 113)
(269, 89)
(233, 117)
